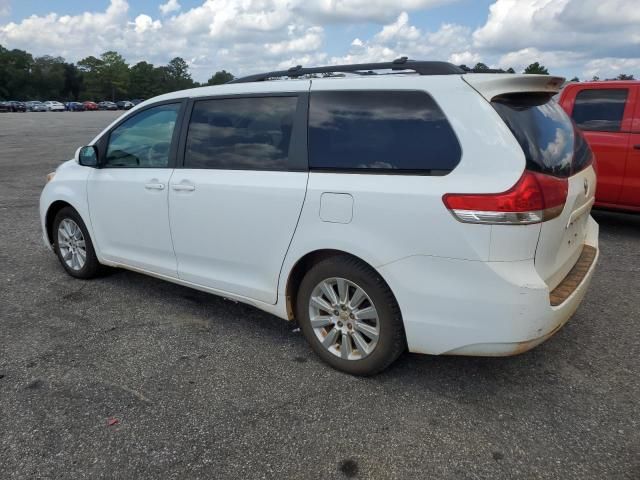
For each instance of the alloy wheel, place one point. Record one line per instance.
(344, 319)
(71, 244)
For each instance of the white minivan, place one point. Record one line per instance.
(387, 206)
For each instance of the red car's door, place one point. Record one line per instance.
(604, 114)
(630, 195)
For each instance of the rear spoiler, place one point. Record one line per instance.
(492, 85)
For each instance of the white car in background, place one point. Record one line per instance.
(54, 106)
(436, 210)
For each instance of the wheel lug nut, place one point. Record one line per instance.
(352, 316)
(344, 307)
(336, 313)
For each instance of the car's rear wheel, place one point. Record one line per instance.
(349, 316)
(73, 245)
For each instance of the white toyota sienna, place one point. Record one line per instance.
(382, 206)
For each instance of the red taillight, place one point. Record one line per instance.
(534, 198)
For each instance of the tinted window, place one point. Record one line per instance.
(143, 140)
(387, 131)
(241, 133)
(600, 109)
(550, 142)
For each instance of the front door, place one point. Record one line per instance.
(235, 205)
(128, 194)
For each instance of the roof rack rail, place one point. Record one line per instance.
(402, 63)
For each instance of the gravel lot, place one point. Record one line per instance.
(205, 388)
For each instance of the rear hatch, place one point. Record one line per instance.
(553, 147)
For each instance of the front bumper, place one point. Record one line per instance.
(462, 307)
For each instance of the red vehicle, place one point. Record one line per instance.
(88, 105)
(608, 113)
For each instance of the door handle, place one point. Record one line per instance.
(154, 186)
(181, 187)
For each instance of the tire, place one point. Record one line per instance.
(86, 268)
(383, 337)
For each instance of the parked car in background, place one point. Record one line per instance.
(54, 106)
(608, 114)
(36, 106)
(106, 105)
(89, 105)
(125, 105)
(18, 106)
(440, 211)
(5, 106)
(75, 107)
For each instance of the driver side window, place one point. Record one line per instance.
(144, 140)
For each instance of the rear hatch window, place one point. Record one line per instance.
(550, 141)
(552, 145)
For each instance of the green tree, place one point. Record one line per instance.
(73, 82)
(595, 78)
(480, 67)
(220, 77)
(15, 74)
(178, 74)
(510, 70)
(90, 68)
(106, 77)
(142, 81)
(114, 74)
(624, 76)
(536, 68)
(48, 77)
(575, 79)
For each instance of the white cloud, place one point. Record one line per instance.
(311, 40)
(521, 58)
(611, 67)
(379, 11)
(596, 26)
(170, 6)
(244, 36)
(144, 23)
(400, 38)
(464, 58)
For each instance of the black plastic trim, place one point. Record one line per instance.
(420, 67)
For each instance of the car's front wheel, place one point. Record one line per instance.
(349, 316)
(73, 245)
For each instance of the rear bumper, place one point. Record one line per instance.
(461, 307)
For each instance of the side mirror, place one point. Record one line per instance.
(87, 156)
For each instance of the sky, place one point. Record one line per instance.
(583, 38)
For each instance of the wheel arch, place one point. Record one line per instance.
(50, 216)
(304, 264)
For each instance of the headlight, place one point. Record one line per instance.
(50, 176)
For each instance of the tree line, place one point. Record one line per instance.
(107, 77)
(110, 77)
(536, 68)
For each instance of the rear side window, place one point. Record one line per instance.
(600, 109)
(380, 131)
(548, 137)
(250, 133)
